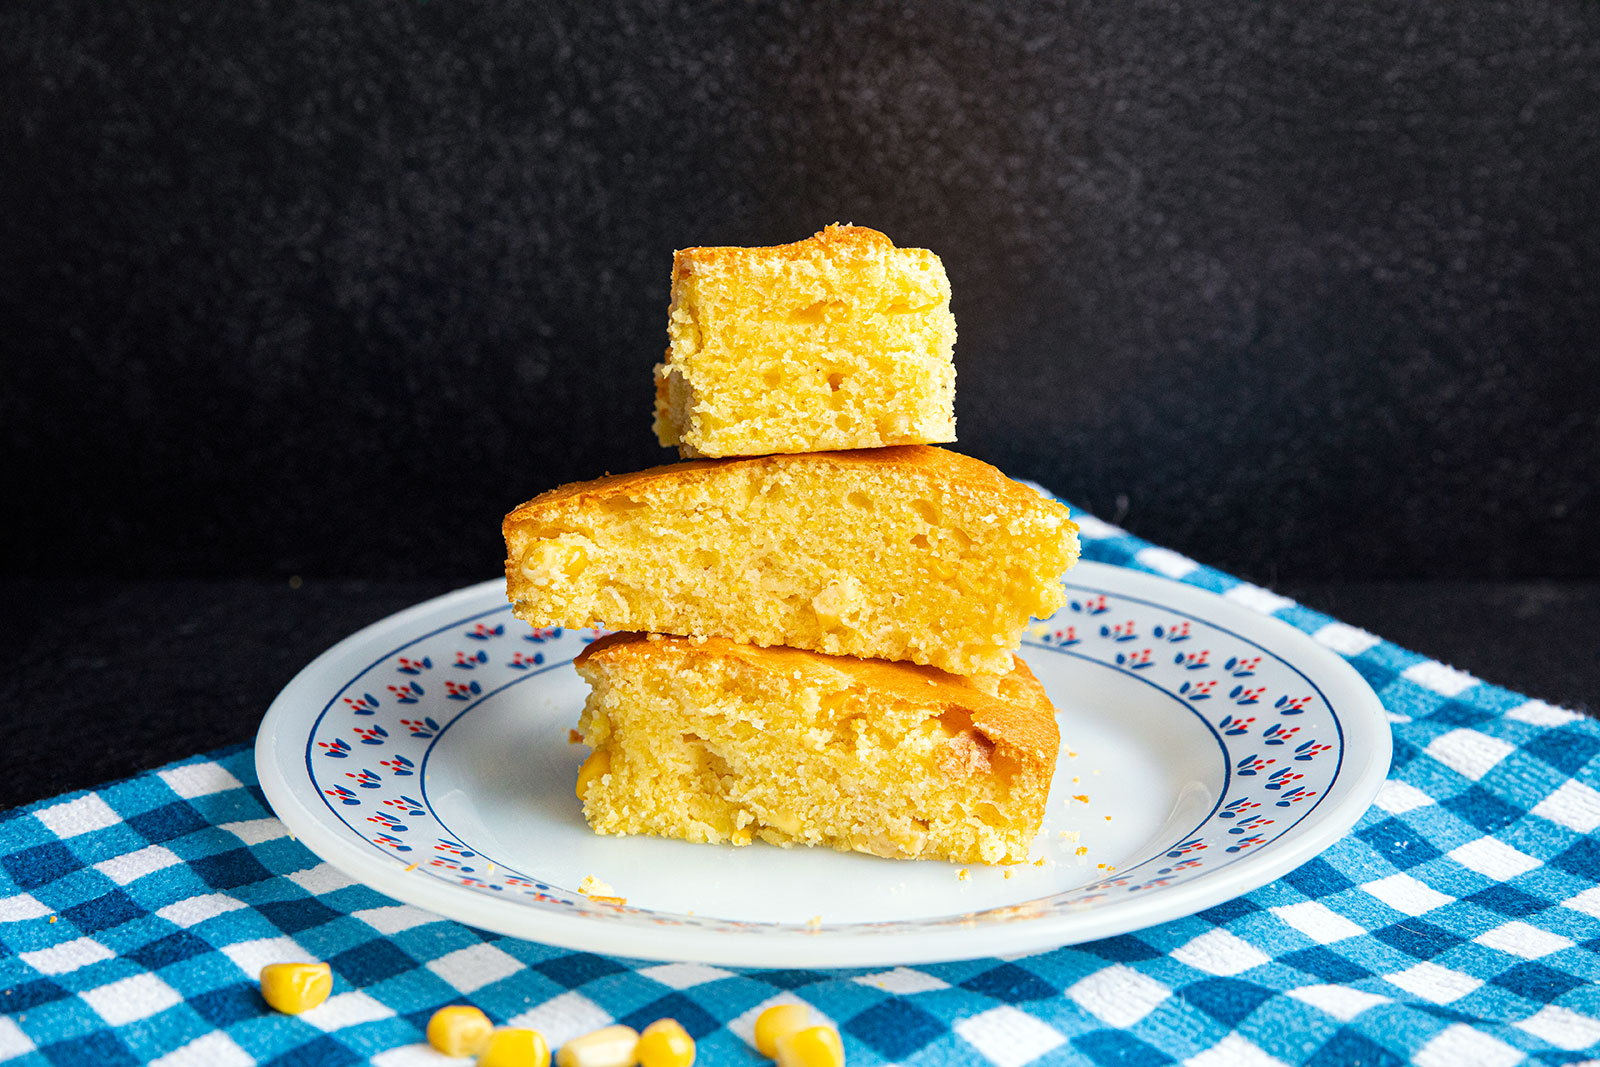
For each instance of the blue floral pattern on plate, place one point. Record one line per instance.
(1280, 740)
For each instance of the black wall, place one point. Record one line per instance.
(1304, 290)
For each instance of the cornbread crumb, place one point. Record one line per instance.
(1042, 861)
(1008, 873)
(1108, 818)
(412, 865)
(963, 875)
(1081, 850)
(725, 742)
(838, 341)
(876, 553)
(815, 922)
(592, 886)
(575, 738)
(1081, 798)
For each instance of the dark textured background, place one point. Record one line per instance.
(1307, 291)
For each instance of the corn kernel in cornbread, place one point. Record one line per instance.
(838, 341)
(715, 741)
(906, 553)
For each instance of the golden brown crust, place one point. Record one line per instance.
(666, 480)
(1020, 721)
(831, 240)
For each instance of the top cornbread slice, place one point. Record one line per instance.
(907, 553)
(838, 341)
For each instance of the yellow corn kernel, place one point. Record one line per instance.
(598, 763)
(515, 1047)
(612, 1046)
(459, 1030)
(296, 987)
(776, 1021)
(665, 1043)
(815, 1046)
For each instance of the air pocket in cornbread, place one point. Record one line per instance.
(714, 741)
(838, 341)
(907, 553)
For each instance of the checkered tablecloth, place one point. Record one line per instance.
(1458, 924)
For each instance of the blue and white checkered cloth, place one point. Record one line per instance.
(1457, 924)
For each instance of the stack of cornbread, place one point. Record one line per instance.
(816, 645)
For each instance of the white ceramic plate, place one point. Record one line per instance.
(1207, 750)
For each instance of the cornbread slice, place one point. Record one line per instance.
(713, 741)
(838, 341)
(905, 553)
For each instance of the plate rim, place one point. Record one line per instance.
(1360, 713)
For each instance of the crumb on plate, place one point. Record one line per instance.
(592, 887)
